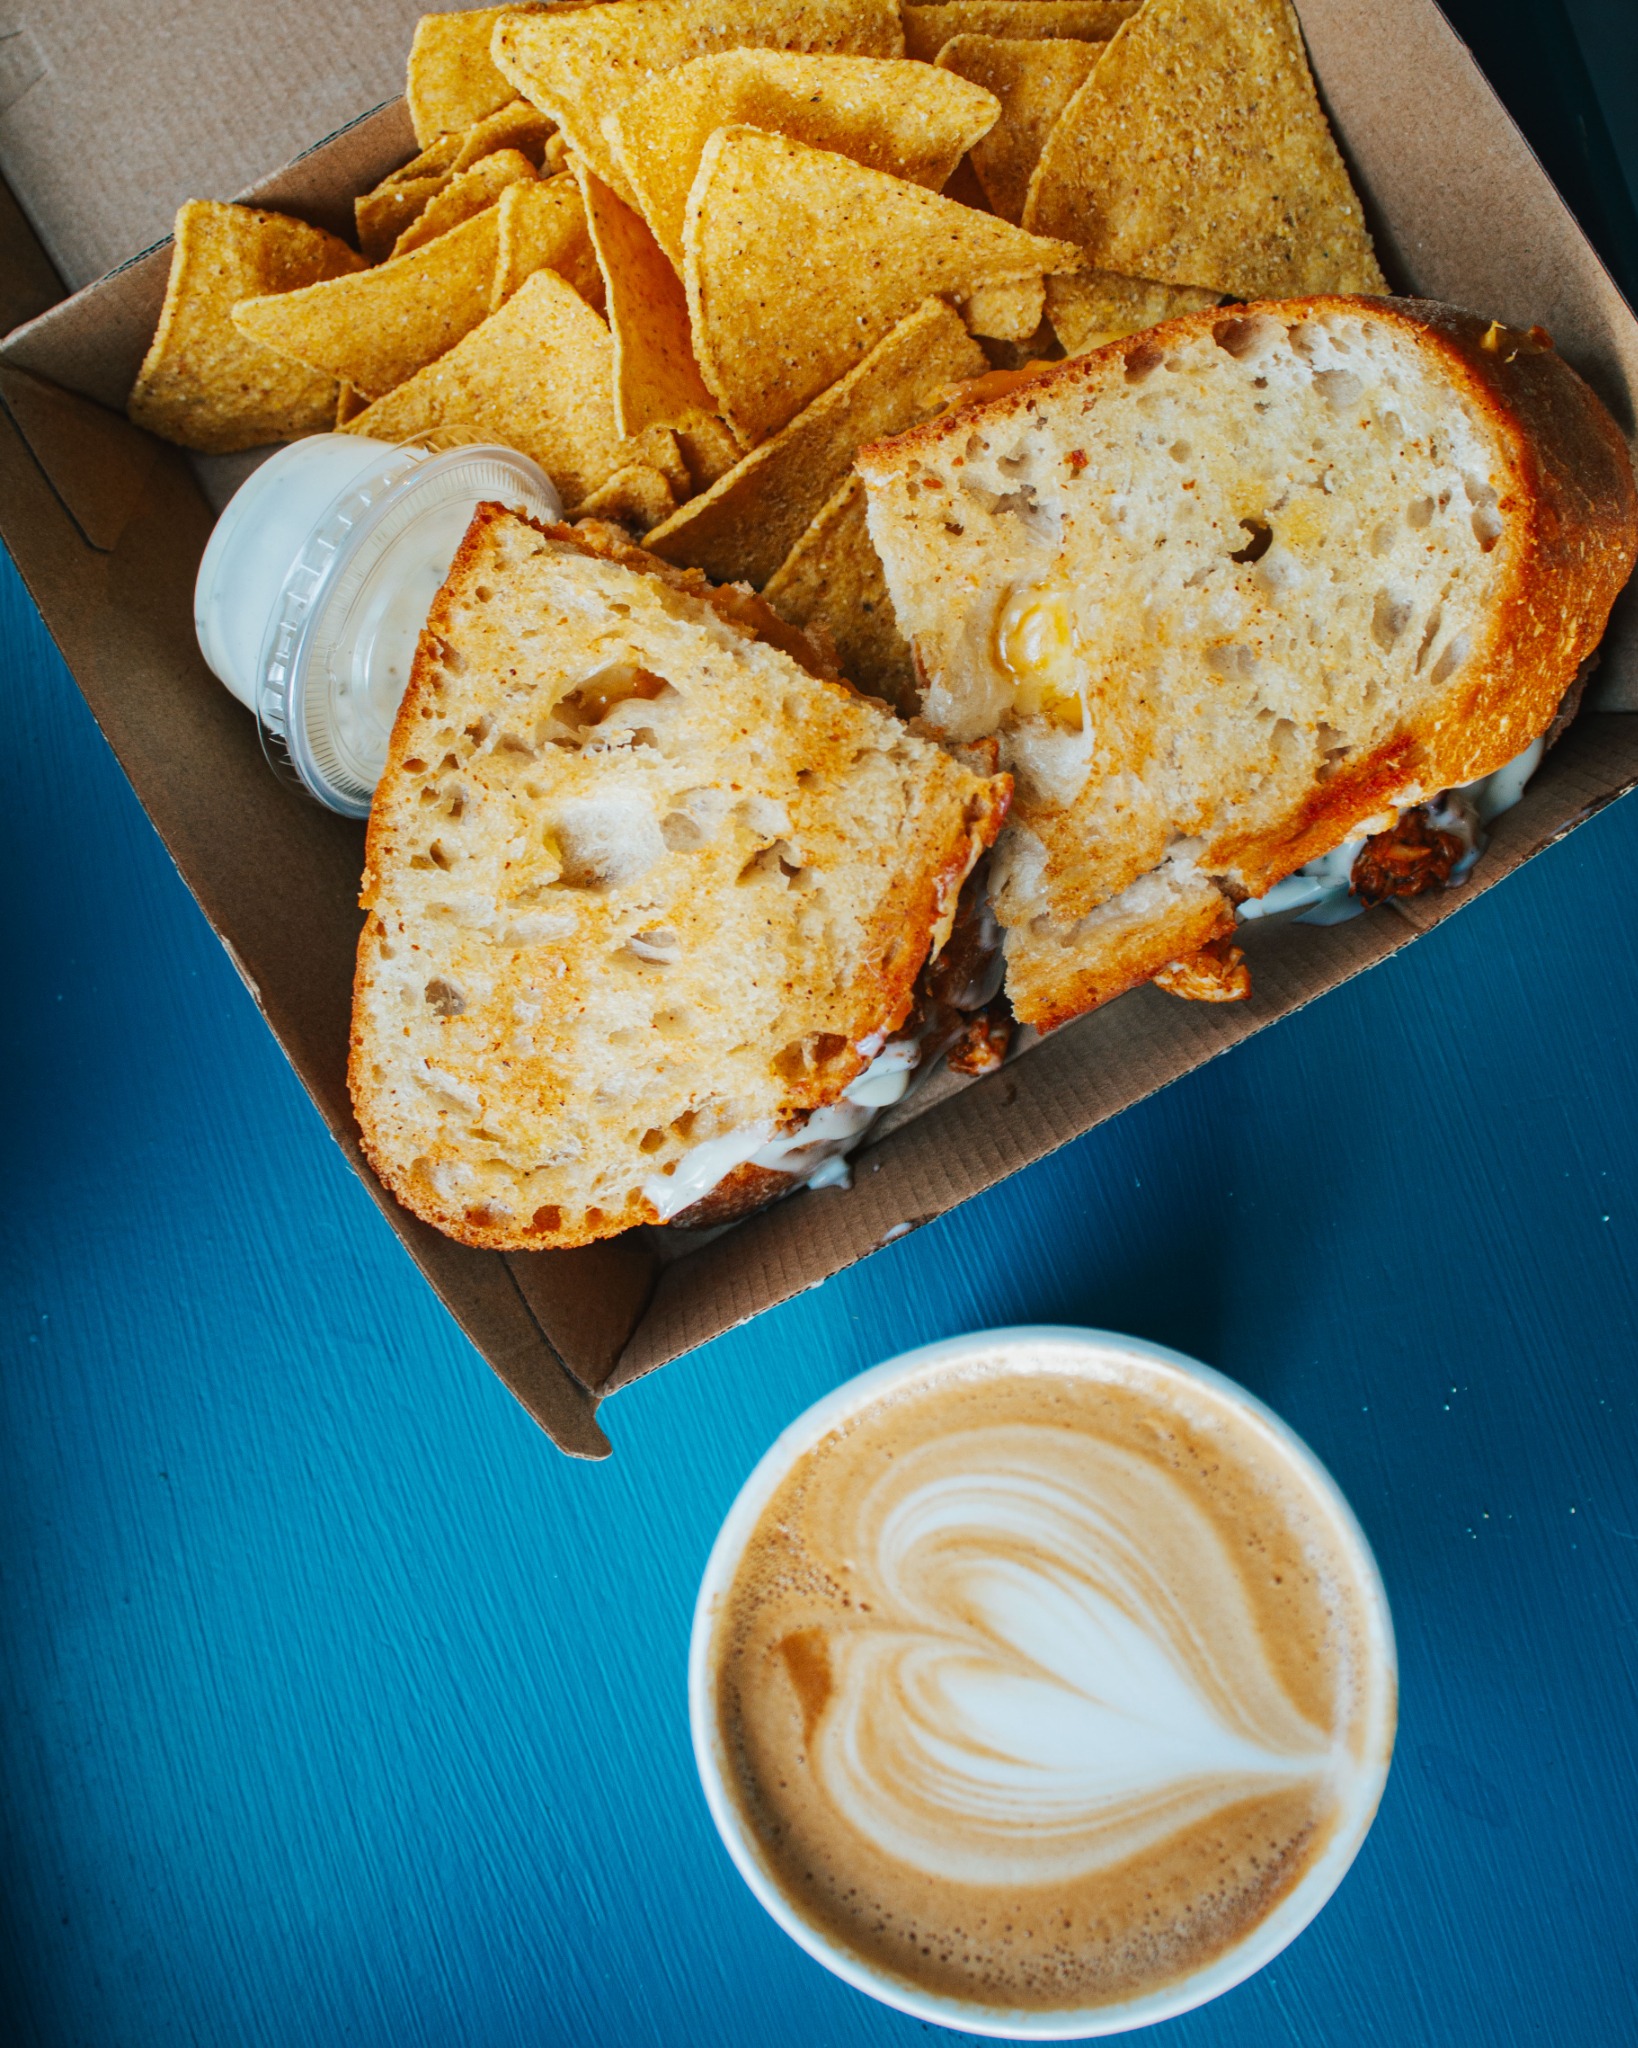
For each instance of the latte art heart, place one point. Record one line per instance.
(1026, 1694)
(1042, 1689)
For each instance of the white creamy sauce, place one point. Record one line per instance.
(814, 1154)
(1053, 1693)
(1319, 892)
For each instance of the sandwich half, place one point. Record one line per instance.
(647, 898)
(1234, 590)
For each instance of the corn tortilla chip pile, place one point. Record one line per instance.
(637, 494)
(1197, 154)
(1091, 307)
(452, 81)
(380, 326)
(402, 198)
(537, 375)
(1033, 81)
(772, 334)
(691, 256)
(395, 204)
(543, 227)
(581, 64)
(517, 125)
(466, 194)
(893, 116)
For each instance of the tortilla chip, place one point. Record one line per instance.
(637, 494)
(895, 116)
(555, 156)
(203, 383)
(383, 325)
(383, 214)
(708, 447)
(771, 333)
(349, 404)
(394, 205)
(543, 227)
(535, 376)
(1010, 311)
(436, 160)
(928, 29)
(1034, 81)
(833, 579)
(1197, 153)
(452, 81)
(658, 448)
(517, 126)
(1093, 307)
(464, 196)
(742, 528)
(581, 65)
(656, 379)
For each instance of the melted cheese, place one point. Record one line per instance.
(814, 1154)
(1037, 648)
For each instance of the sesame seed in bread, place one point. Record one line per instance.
(1227, 589)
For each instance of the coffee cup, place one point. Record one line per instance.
(1042, 1683)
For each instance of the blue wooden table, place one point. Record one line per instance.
(335, 1707)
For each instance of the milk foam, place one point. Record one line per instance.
(1049, 1686)
(1031, 1697)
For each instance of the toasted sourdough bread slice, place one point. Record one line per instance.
(636, 881)
(1229, 588)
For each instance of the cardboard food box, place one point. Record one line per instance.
(106, 123)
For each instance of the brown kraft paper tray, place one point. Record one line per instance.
(107, 527)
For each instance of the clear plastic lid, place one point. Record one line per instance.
(333, 584)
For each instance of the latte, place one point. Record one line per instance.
(1045, 1679)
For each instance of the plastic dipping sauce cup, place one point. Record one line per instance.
(317, 581)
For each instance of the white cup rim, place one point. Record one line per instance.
(1271, 1934)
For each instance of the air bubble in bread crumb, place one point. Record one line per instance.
(1340, 389)
(1247, 337)
(680, 833)
(1390, 615)
(1452, 658)
(658, 945)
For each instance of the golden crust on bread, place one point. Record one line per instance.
(1227, 589)
(1075, 965)
(636, 880)
(737, 1195)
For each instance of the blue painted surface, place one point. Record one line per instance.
(335, 1707)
